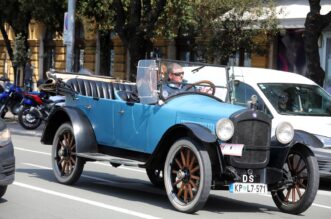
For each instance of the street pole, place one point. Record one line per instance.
(71, 34)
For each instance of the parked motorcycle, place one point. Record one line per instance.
(35, 108)
(10, 99)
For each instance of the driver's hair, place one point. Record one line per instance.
(173, 66)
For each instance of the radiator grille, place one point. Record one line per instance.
(255, 135)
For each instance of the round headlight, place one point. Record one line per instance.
(284, 132)
(224, 129)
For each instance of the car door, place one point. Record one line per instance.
(131, 125)
(100, 113)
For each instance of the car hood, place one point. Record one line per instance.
(201, 109)
(318, 125)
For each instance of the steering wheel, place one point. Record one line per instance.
(204, 82)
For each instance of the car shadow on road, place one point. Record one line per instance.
(143, 191)
(325, 184)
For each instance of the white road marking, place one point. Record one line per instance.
(86, 201)
(98, 163)
(32, 151)
(314, 204)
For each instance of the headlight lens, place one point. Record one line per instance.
(284, 132)
(4, 137)
(325, 140)
(224, 129)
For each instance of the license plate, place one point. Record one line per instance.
(248, 188)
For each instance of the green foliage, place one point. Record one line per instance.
(232, 26)
(20, 54)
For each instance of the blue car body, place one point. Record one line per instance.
(144, 125)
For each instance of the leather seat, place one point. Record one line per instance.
(96, 89)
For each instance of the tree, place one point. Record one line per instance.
(314, 25)
(137, 22)
(19, 13)
(234, 26)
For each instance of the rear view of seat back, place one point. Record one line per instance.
(96, 89)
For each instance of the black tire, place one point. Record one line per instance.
(3, 110)
(187, 192)
(301, 167)
(2, 190)
(29, 120)
(156, 177)
(67, 167)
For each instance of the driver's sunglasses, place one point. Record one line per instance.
(178, 73)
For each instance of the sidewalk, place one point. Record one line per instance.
(16, 129)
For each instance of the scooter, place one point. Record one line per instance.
(10, 99)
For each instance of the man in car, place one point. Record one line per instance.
(174, 85)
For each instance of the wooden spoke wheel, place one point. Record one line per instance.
(301, 173)
(67, 167)
(187, 175)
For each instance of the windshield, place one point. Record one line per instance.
(298, 99)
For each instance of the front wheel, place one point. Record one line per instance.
(187, 175)
(2, 190)
(15, 108)
(29, 119)
(301, 171)
(3, 110)
(67, 167)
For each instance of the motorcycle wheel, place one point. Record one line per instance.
(29, 120)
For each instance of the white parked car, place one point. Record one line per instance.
(284, 96)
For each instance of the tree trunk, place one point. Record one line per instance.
(139, 48)
(314, 25)
(7, 42)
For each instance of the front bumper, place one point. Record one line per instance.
(7, 165)
(323, 157)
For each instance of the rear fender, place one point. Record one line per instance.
(83, 131)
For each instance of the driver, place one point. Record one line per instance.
(174, 85)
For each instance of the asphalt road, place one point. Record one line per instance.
(107, 192)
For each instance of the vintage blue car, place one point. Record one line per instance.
(7, 159)
(189, 142)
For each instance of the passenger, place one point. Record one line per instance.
(284, 103)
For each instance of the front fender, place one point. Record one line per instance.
(200, 132)
(306, 138)
(174, 133)
(83, 131)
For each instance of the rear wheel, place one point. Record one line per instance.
(2, 190)
(29, 119)
(187, 175)
(301, 171)
(67, 167)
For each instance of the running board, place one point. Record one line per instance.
(111, 159)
